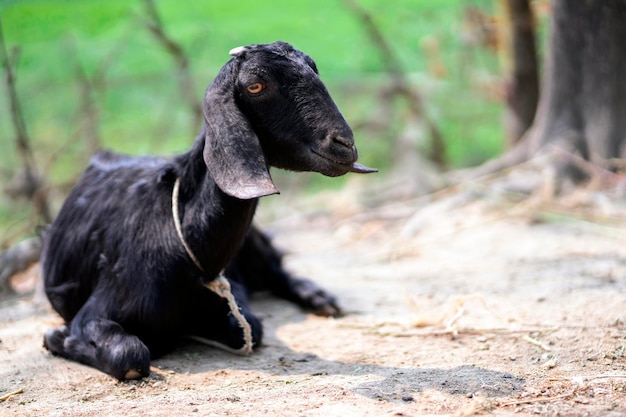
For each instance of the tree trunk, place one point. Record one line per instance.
(582, 104)
(521, 67)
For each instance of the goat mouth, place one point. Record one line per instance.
(334, 160)
(346, 166)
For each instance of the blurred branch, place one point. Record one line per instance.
(88, 109)
(88, 117)
(16, 229)
(400, 84)
(29, 184)
(181, 60)
(389, 59)
(17, 259)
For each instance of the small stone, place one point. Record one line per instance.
(407, 397)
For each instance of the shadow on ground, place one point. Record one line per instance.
(464, 380)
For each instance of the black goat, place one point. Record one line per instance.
(115, 268)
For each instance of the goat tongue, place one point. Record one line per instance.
(362, 169)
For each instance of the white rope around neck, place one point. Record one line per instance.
(219, 286)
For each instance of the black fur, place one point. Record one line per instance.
(114, 267)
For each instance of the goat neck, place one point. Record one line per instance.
(213, 223)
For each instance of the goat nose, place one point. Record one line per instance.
(348, 142)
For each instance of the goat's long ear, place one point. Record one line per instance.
(232, 151)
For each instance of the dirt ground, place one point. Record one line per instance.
(467, 302)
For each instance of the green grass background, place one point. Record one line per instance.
(140, 108)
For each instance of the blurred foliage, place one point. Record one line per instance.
(136, 93)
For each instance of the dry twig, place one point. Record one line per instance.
(536, 400)
(463, 331)
(580, 379)
(536, 343)
(11, 394)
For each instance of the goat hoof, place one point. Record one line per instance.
(328, 310)
(133, 374)
(54, 340)
(315, 298)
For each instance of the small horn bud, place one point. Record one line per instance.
(236, 51)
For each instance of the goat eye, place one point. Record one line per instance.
(255, 88)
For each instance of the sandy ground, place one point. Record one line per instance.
(461, 304)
